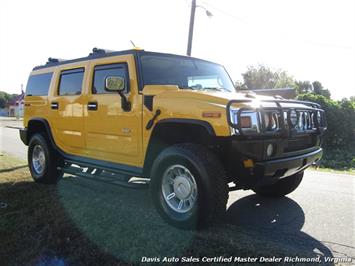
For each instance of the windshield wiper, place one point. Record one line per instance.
(202, 89)
(215, 89)
(187, 88)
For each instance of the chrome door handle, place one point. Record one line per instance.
(54, 105)
(92, 106)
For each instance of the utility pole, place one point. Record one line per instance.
(191, 28)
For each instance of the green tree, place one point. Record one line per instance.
(318, 89)
(2, 102)
(339, 139)
(303, 87)
(326, 93)
(263, 77)
(284, 80)
(5, 98)
(240, 86)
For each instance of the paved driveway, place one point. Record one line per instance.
(10, 139)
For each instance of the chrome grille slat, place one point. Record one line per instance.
(305, 121)
(309, 117)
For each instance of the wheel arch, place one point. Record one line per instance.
(173, 131)
(37, 125)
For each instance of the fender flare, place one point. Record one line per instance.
(24, 132)
(150, 152)
(202, 123)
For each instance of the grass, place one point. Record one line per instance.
(83, 222)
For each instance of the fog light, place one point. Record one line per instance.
(269, 149)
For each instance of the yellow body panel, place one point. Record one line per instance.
(109, 133)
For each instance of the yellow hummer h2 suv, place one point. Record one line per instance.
(174, 120)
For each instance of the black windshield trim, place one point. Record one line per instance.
(144, 53)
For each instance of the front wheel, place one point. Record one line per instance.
(188, 186)
(43, 161)
(281, 188)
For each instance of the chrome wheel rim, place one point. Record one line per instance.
(38, 159)
(179, 188)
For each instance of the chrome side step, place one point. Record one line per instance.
(103, 175)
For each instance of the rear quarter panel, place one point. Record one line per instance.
(37, 106)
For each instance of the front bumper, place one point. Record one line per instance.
(287, 160)
(273, 170)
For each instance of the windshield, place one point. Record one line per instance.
(187, 73)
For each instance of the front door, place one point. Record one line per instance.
(113, 134)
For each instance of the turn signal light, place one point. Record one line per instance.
(245, 122)
(211, 114)
(248, 163)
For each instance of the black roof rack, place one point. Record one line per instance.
(100, 51)
(96, 53)
(52, 60)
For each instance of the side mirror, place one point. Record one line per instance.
(114, 83)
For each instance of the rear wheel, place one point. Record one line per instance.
(188, 186)
(43, 160)
(282, 187)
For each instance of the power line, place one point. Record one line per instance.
(224, 12)
(280, 35)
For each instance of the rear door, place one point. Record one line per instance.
(66, 109)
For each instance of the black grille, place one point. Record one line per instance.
(299, 143)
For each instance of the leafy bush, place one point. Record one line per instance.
(339, 139)
(5, 98)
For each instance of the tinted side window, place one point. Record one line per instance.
(38, 85)
(104, 71)
(71, 82)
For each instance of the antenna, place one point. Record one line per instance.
(134, 46)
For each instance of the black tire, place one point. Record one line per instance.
(281, 188)
(49, 174)
(212, 187)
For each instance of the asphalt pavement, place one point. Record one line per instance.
(10, 141)
(318, 216)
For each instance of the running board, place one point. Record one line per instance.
(104, 175)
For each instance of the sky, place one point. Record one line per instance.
(310, 39)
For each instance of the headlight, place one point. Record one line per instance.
(248, 121)
(251, 121)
